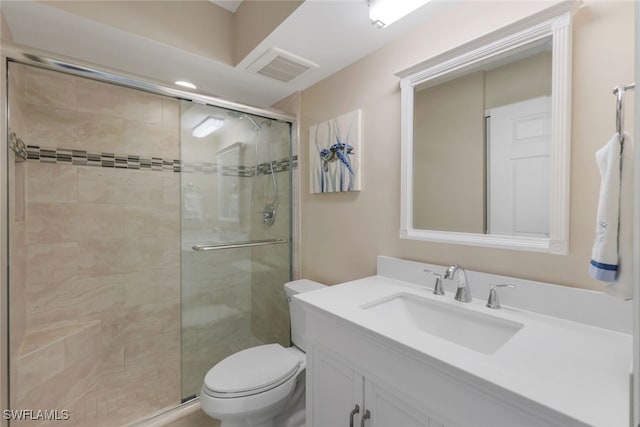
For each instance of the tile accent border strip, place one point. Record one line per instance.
(105, 160)
(110, 160)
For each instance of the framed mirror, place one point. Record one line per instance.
(486, 131)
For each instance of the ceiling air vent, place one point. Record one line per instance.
(280, 65)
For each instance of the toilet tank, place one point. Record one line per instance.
(296, 312)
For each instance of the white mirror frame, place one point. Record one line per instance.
(554, 22)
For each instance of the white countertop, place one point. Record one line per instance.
(578, 370)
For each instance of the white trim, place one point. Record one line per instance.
(553, 23)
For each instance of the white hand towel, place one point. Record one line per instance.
(623, 286)
(605, 260)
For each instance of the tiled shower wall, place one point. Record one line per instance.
(96, 323)
(292, 105)
(270, 311)
(270, 319)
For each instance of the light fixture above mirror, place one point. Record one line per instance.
(529, 62)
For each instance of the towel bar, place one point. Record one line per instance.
(234, 245)
(619, 91)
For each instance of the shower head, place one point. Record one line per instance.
(239, 115)
(235, 114)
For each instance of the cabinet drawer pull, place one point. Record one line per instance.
(354, 411)
(365, 417)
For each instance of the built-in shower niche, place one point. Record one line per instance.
(232, 298)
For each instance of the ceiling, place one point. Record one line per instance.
(332, 34)
(230, 5)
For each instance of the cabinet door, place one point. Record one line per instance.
(336, 389)
(388, 408)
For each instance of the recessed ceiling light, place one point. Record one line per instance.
(184, 83)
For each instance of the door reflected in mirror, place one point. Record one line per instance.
(481, 147)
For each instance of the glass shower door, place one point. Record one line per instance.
(236, 226)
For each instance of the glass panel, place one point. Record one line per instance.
(235, 185)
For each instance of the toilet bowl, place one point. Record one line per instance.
(262, 386)
(252, 386)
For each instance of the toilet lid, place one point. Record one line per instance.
(256, 368)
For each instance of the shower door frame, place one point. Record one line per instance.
(4, 244)
(33, 57)
(635, 386)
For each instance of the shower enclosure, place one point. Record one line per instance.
(142, 249)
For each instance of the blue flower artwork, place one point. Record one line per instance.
(335, 154)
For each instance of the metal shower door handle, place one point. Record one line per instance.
(354, 411)
(365, 417)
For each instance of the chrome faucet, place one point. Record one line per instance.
(463, 293)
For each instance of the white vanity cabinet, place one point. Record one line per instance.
(349, 365)
(341, 396)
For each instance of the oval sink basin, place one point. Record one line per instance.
(477, 331)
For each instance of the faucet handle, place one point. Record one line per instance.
(494, 301)
(437, 289)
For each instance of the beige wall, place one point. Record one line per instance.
(195, 26)
(5, 33)
(518, 81)
(255, 20)
(199, 27)
(343, 233)
(448, 131)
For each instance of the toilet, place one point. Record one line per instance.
(262, 386)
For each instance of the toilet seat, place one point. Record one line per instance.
(252, 371)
